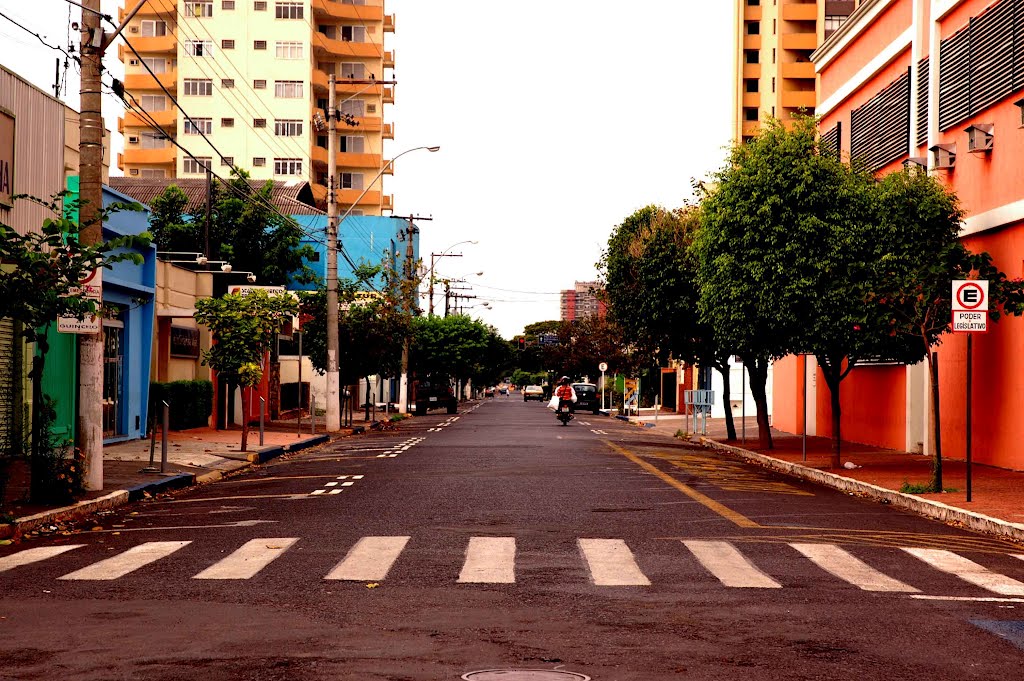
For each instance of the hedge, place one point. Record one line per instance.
(191, 403)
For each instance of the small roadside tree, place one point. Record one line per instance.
(243, 327)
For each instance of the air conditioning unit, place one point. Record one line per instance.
(133, 171)
(980, 137)
(371, 108)
(133, 29)
(133, 62)
(944, 155)
(133, 139)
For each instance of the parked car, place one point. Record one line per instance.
(533, 392)
(587, 397)
(489, 392)
(431, 394)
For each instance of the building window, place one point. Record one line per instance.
(287, 128)
(150, 172)
(199, 8)
(197, 165)
(199, 48)
(351, 181)
(258, 162)
(153, 102)
(1020, 109)
(288, 50)
(227, 122)
(287, 166)
(153, 29)
(259, 44)
(750, 114)
(198, 126)
(288, 89)
(750, 84)
(227, 83)
(259, 122)
(259, 84)
(155, 64)
(753, 28)
(352, 70)
(259, 6)
(227, 44)
(353, 107)
(199, 87)
(354, 34)
(371, 108)
(354, 144)
(752, 56)
(832, 23)
(227, 4)
(227, 161)
(151, 140)
(288, 10)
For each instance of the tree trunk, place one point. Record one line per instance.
(245, 415)
(730, 425)
(368, 396)
(758, 370)
(831, 369)
(933, 366)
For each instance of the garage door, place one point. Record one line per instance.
(7, 378)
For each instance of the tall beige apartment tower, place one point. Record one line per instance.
(775, 76)
(253, 77)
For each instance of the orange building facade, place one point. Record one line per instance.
(938, 84)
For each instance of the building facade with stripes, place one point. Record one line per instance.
(937, 84)
(253, 79)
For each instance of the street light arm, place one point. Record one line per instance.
(377, 177)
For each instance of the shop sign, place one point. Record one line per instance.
(6, 158)
(184, 342)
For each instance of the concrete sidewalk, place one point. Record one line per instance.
(997, 504)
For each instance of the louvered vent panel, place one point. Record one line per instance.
(830, 141)
(880, 129)
(991, 55)
(922, 102)
(954, 84)
(1018, 44)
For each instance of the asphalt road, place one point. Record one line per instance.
(499, 539)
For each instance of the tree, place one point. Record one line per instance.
(650, 272)
(243, 327)
(244, 229)
(918, 255)
(455, 346)
(40, 279)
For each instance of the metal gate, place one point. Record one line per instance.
(8, 377)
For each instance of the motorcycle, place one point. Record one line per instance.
(564, 415)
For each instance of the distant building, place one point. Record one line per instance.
(582, 301)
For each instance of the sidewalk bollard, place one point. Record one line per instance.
(263, 409)
(163, 443)
(151, 468)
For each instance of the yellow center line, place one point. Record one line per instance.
(722, 510)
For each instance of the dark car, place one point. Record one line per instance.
(587, 397)
(433, 394)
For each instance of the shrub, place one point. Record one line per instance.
(57, 468)
(191, 403)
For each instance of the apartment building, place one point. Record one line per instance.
(253, 77)
(582, 301)
(938, 86)
(775, 39)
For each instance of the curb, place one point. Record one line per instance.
(156, 486)
(926, 507)
(30, 522)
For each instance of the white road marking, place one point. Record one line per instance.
(333, 484)
(336, 491)
(489, 560)
(370, 559)
(129, 561)
(344, 484)
(584, 423)
(968, 570)
(726, 563)
(851, 569)
(34, 555)
(250, 558)
(611, 563)
(318, 491)
(597, 432)
(979, 599)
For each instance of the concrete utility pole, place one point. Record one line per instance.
(410, 302)
(333, 376)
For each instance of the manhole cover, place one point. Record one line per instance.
(523, 675)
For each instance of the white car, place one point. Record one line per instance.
(533, 392)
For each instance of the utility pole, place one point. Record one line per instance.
(333, 422)
(410, 288)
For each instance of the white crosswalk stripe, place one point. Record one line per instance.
(129, 561)
(34, 555)
(611, 563)
(370, 559)
(969, 571)
(849, 568)
(725, 562)
(489, 560)
(253, 556)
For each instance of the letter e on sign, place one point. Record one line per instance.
(970, 295)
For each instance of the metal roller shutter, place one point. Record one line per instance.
(7, 378)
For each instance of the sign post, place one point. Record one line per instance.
(970, 316)
(603, 366)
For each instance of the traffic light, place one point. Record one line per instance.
(522, 343)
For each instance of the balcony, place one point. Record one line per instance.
(345, 48)
(389, 132)
(343, 87)
(752, 13)
(751, 99)
(750, 128)
(799, 41)
(152, 8)
(336, 10)
(803, 11)
(389, 60)
(751, 42)
(165, 119)
(798, 70)
(135, 156)
(799, 100)
(133, 82)
(751, 70)
(347, 160)
(389, 95)
(164, 44)
(389, 23)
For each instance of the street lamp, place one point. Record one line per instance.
(333, 417)
(437, 256)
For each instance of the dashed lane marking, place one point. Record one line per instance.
(331, 488)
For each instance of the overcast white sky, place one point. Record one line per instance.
(556, 120)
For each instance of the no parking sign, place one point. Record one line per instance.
(970, 305)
